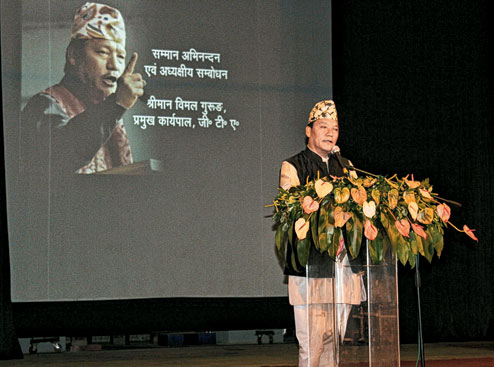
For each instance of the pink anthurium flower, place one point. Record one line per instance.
(340, 217)
(418, 229)
(469, 232)
(403, 227)
(359, 195)
(411, 183)
(309, 205)
(301, 228)
(444, 212)
(370, 230)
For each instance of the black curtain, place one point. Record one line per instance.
(9, 346)
(413, 95)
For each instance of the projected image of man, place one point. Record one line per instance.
(76, 125)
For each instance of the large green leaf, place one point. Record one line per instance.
(291, 231)
(335, 242)
(437, 239)
(303, 249)
(411, 259)
(402, 250)
(325, 228)
(414, 243)
(354, 230)
(376, 249)
(314, 226)
(279, 239)
(294, 262)
(389, 226)
(428, 245)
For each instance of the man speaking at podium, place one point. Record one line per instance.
(310, 289)
(76, 126)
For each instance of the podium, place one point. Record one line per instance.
(147, 167)
(363, 325)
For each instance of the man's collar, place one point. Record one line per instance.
(317, 155)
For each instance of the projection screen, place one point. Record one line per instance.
(229, 88)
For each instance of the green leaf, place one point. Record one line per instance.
(411, 259)
(303, 249)
(325, 229)
(414, 246)
(280, 238)
(294, 262)
(335, 243)
(376, 249)
(290, 233)
(428, 245)
(402, 250)
(389, 226)
(354, 230)
(314, 226)
(437, 240)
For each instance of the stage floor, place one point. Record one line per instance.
(471, 354)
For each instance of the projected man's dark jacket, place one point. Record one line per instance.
(61, 132)
(308, 164)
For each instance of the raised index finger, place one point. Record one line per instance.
(129, 69)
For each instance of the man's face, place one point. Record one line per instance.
(323, 136)
(101, 64)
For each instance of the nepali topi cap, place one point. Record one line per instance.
(98, 21)
(323, 110)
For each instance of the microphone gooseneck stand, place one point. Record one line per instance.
(418, 283)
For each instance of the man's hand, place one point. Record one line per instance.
(130, 85)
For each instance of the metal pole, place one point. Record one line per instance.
(418, 283)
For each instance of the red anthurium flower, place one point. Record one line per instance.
(309, 205)
(444, 212)
(341, 246)
(370, 230)
(418, 229)
(469, 232)
(403, 227)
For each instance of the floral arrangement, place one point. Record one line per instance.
(403, 215)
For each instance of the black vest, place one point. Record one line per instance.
(308, 164)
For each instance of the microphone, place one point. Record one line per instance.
(336, 152)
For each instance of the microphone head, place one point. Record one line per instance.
(335, 149)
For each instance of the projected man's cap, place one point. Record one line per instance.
(98, 21)
(323, 110)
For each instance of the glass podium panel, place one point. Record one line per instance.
(357, 325)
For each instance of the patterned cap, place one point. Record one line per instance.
(98, 21)
(323, 110)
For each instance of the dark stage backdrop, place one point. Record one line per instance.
(413, 90)
(412, 83)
